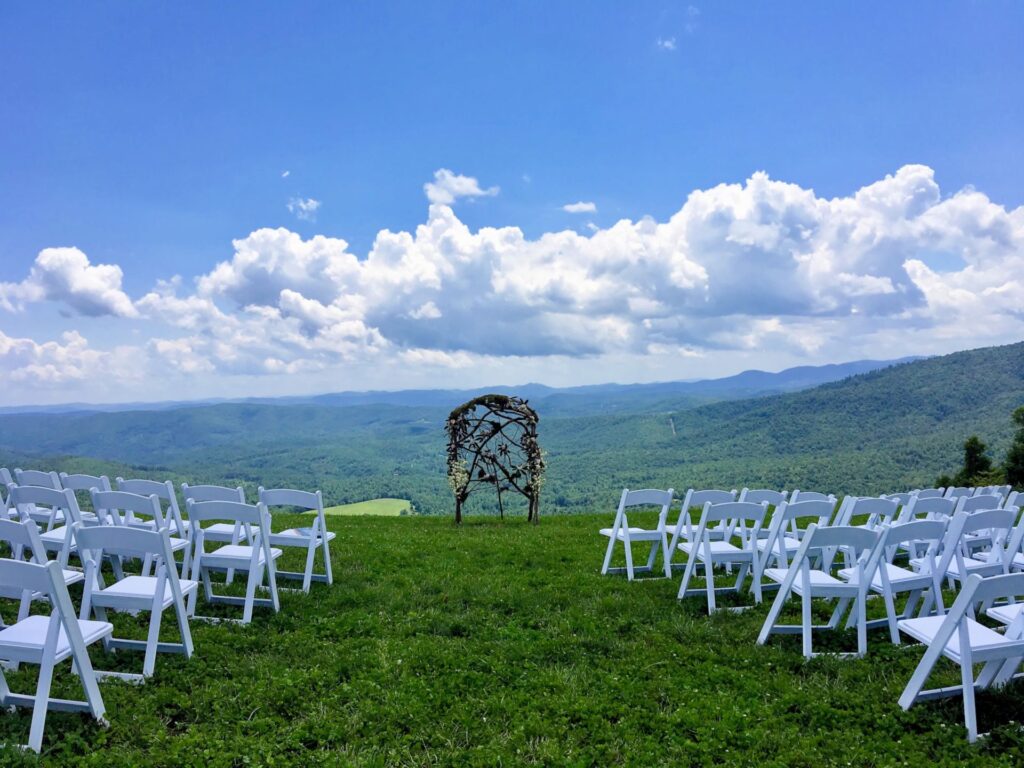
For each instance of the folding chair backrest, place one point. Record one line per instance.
(958, 492)
(226, 511)
(1015, 499)
(85, 482)
(799, 495)
(38, 496)
(976, 503)
(120, 507)
(901, 498)
(288, 497)
(930, 507)
(212, 493)
(854, 542)
(5, 477)
(122, 541)
(998, 523)
(163, 490)
(23, 540)
(756, 496)
(699, 498)
(37, 477)
(930, 493)
(648, 497)
(746, 511)
(932, 531)
(878, 511)
(787, 517)
(44, 579)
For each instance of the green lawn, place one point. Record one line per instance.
(379, 507)
(500, 644)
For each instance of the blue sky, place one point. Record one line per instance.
(149, 137)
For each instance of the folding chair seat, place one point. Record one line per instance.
(622, 532)
(966, 642)
(132, 510)
(784, 531)
(134, 593)
(310, 538)
(257, 558)
(684, 528)
(24, 541)
(856, 545)
(48, 641)
(737, 547)
(890, 580)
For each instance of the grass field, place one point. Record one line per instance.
(377, 507)
(500, 644)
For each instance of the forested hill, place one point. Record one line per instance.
(883, 430)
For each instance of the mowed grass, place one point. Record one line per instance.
(378, 507)
(499, 643)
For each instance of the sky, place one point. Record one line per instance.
(240, 199)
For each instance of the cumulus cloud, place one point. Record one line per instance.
(666, 43)
(66, 276)
(304, 209)
(447, 187)
(762, 266)
(580, 207)
(68, 361)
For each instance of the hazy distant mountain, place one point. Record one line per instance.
(552, 401)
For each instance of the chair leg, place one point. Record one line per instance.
(152, 642)
(773, 614)
(967, 684)
(805, 601)
(665, 556)
(255, 577)
(310, 554)
(890, 613)
(608, 554)
(327, 559)
(709, 581)
(862, 624)
(629, 560)
(42, 700)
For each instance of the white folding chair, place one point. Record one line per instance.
(135, 593)
(40, 479)
(79, 483)
(256, 558)
(47, 641)
(28, 498)
(222, 532)
(785, 532)
(737, 547)
(693, 499)
(311, 538)
(856, 544)
(621, 531)
(955, 563)
(24, 542)
(966, 642)
(890, 580)
(132, 510)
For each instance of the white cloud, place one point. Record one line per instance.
(580, 207)
(761, 270)
(304, 209)
(666, 43)
(68, 361)
(447, 187)
(285, 174)
(66, 276)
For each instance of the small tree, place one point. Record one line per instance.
(1014, 465)
(976, 461)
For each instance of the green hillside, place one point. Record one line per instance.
(885, 430)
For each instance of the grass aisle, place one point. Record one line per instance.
(500, 644)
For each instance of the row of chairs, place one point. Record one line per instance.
(126, 528)
(899, 547)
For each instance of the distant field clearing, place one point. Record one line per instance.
(380, 507)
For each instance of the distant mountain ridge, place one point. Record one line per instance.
(555, 401)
